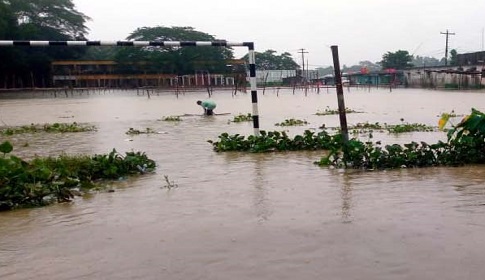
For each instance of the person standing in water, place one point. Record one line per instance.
(208, 105)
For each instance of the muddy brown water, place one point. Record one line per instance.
(245, 216)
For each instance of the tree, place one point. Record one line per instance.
(426, 61)
(269, 60)
(396, 60)
(177, 60)
(453, 57)
(37, 20)
(59, 15)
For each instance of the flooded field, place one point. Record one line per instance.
(245, 216)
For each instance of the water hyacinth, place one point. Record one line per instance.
(42, 181)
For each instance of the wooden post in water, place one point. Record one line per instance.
(340, 95)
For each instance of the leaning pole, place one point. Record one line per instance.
(249, 45)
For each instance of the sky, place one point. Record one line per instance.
(362, 29)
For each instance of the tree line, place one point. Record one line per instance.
(58, 20)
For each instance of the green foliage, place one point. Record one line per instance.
(172, 59)
(6, 147)
(292, 122)
(404, 127)
(409, 127)
(396, 60)
(327, 111)
(465, 145)
(37, 20)
(132, 131)
(453, 57)
(171, 119)
(50, 128)
(242, 118)
(276, 141)
(269, 60)
(45, 180)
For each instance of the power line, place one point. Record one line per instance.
(447, 33)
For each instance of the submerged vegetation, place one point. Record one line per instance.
(132, 131)
(50, 128)
(292, 122)
(275, 141)
(329, 111)
(242, 118)
(46, 180)
(171, 119)
(465, 145)
(403, 127)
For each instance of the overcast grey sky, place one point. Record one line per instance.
(363, 29)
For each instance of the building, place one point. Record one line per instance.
(452, 77)
(109, 74)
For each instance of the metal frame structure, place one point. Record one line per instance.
(249, 45)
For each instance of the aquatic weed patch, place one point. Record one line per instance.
(43, 181)
(50, 128)
(242, 118)
(327, 111)
(132, 131)
(403, 127)
(465, 145)
(292, 122)
(276, 141)
(171, 119)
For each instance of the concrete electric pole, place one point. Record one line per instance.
(303, 52)
(447, 33)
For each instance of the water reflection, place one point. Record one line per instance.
(261, 202)
(346, 194)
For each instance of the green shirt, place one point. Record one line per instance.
(208, 104)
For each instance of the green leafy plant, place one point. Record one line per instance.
(45, 180)
(292, 122)
(276, 141)
(327, 111)
(242, 118)
(132, 131)
(465, 145)
(6, 147)
(50, 128)
(172, 119)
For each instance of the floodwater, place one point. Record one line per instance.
(246, 216)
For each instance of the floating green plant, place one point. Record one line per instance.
(465, 145)
(171, 119)
(46, 180)
(242, 118)
(292, 122)
(329, 111)
(132, 131)
(50, 128)
(409, 127)
(367, 127)
(275, 141)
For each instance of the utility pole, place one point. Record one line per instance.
(303, 52)
(447, 33)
